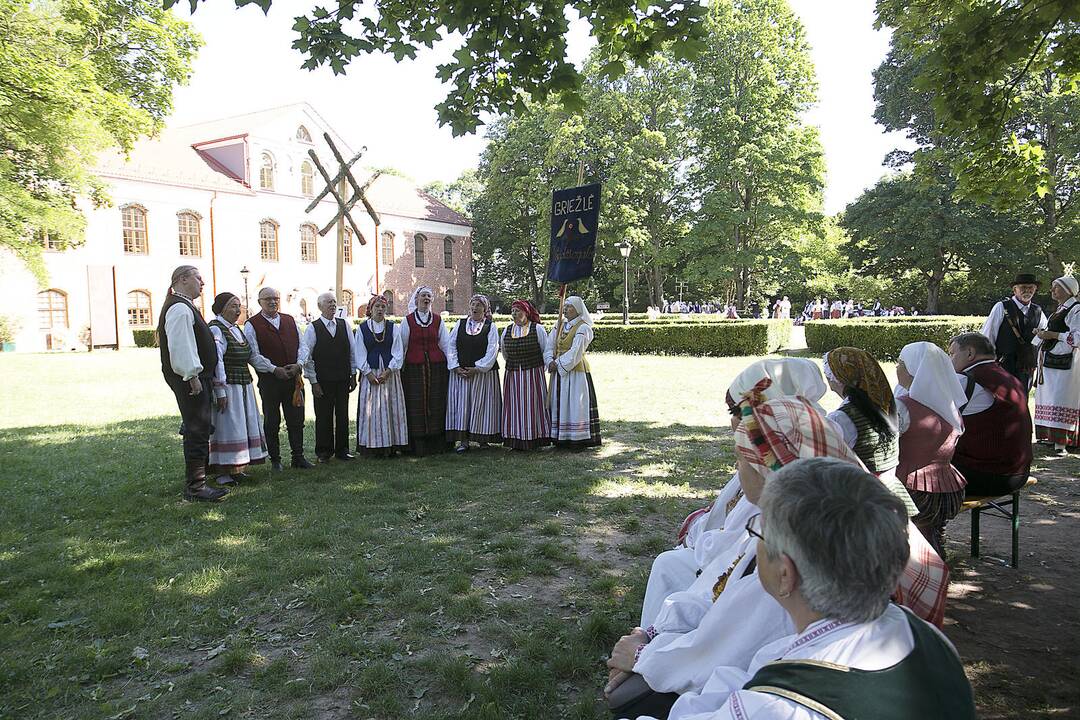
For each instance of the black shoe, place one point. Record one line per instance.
(301, 463)
(275, 466)
(345, 456)
(240, 476)
(204, 493)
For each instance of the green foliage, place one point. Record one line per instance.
(145, 338)
(507, 53)
(459, 194)
(884, 338)
(78, 76)
(8, 327)
(748, 337)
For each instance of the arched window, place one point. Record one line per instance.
(133, 218)
(52, 309)
(347, 299)
(268, 240)
(309, 250)
(307, 179)
(266, 172)
(190, 236)
(348, 246)
(449, 298)
(302, 134)
(138, 310)
(448, 252)
(418, 249)
(387, 254)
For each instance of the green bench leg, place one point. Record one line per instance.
(1016, 529)
(975, 532)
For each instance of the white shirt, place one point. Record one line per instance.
(307, 346)
(993, 322)
(183, 351)
(360, 360)
(474, 328)
(547, 342)
(260, 362)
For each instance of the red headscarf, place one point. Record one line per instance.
(374, 299)
(526, 307)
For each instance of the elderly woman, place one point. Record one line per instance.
(575, 419)
(867, 416)
(929, 399)
(1057, 385)
(527, 349)
(425, 342)
(853, 654)
(237, 440)
(381, 427)
(474, 404)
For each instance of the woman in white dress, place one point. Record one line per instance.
(575, 418)
(474, 403)
(381, 424)
(1057, 385)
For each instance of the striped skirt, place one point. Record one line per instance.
(474, 408)
(380, 415)
(526, 423)
(425, 385)
(575, 419)
(238, 438)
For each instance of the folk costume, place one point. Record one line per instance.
(575, 419)
(1057, 385)
(238, 438)
(527, 350)
(187, 352)
(381, 423)
(329, 360)
(424, 378)
(867, 416)
(1011, 326)
(474, 409)
(275, 342)
(930, 425)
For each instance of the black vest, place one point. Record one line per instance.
(1057, 323)
(1006, 342)
(204, 341)
(331, 352)
(471, 348)
(929, 684)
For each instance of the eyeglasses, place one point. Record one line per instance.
(753, 527)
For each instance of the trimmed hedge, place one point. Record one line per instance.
(884, 338)
(145, 338)
(749, 337)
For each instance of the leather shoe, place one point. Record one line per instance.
(204, 493)
(323, 459)
(345, 456)
(301, 463)
(275, 466)
(240, 476)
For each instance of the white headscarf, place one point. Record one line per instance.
(417, 291)
(583, 312)
(790, 377)
(1069, 284)
(934, 382)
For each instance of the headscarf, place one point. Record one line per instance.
(526, 307)
(416, 292)
(1069, 284)
(372, 302)
(790, 377)
(775, 433)
(934, 383)
(221, 301)
(852, 367)
(583, 312)
(478, 298)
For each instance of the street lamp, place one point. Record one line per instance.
(244, 274)
(624, 249)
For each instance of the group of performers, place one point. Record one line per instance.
(424, 387)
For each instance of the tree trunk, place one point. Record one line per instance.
(933, 293)
(1048, 203)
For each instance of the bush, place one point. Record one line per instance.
(145, 338)
(748, 337)
(884, 338)
(8, 328)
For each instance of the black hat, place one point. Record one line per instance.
(1025, 279)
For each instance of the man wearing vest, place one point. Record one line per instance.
(188, 358)
(994, 453)
(329, 362)
(1012, 325)
(275, 348)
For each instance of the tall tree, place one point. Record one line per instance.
(76, 77)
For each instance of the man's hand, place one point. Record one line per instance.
(281, 373)
(293, 369)
(222, 403)
(316, 390)
(196, 385)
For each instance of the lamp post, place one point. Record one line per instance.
(624, 249)
(244, 274)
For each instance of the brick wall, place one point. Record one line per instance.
(403, 277)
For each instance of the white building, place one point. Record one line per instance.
(225, 195)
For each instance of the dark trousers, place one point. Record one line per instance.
(332, 418)
(1010, 363)
(277, 398)
(195, 419)
(982, 483)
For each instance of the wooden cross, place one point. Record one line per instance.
(338, 186)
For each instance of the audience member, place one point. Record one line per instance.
(1057, 387)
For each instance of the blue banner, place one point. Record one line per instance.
(575, 219)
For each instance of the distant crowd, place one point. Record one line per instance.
(816, 309)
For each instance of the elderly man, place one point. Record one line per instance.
(275, 348)
(994, 453)
(329, 361)
(188, 359)
(1011, 326)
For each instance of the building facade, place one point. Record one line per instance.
(230, 197)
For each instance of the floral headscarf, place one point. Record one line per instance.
(852, 367)
(375, 299)
(478, 298)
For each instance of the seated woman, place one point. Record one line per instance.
(709, 531)
(852, 655)
(929, 399)
(867, 416)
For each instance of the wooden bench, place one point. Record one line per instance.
(1003, 506)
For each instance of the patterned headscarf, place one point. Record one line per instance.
(416, 292)
(790, 377)
(375, 299)
(478, 298)
(526, 307)
(852, 367)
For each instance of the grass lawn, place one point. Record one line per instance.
(490, 585)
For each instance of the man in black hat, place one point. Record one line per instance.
(1011, 326)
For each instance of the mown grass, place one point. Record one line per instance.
(484, 586)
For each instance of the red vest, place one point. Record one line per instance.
(278, 345)
(997, 441)
(424, 341)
